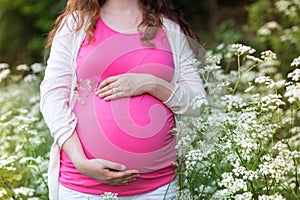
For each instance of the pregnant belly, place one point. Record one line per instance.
(132, 131)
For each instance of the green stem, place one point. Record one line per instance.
(296, 171)
(252, 67)
(268, 190)
(289, 191)
(239, 72)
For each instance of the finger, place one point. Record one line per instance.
(114, 96)
(112, 165)
(108, 81)
(106, 88)
(122, 176)
(122, 181)
(103, 94)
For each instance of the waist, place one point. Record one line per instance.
(145, 183)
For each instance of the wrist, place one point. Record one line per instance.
(150, 85)
(157, 87)
(80, 164)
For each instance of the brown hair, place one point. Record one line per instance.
(152, 12)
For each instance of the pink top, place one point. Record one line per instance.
(133, 131)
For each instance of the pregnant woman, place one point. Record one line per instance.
(118, 72)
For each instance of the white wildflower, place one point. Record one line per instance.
(289, 35)
(241, 49)
(280, 145)
(272, 25)
(244, 196)
(24, 191)
(231, 102)
(243, 172)
(4, 65)
(194, 157)
(278, 84)
(221, 86)
(222, 194)
(3, 74)
(27, 159)
(268, 27)
(110, 196)
(263, 31)
(271, 197)
(249, 89)
(254, 59)
(263, 79)
(232, 184)
(37, 67)
(198, 102)
(295, 75)
(2, 192)
(277, 168)
(289, 8)
(283, 5)
(271, 102)
(212, 68)
(23, 67)
(30, 78)
(220, 46)
(296, 62)
(184, 195)
(268, 55)
(214, 59)
(293, 93)
(6, 160)
(295, 130)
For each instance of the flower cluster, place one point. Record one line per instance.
(288, 7)
(4, 71)
(296, 62)
(241, 49)
(268, 55)
(245, 145)
(24, 151)
(268, 28)
(295, 75)
(110, 196)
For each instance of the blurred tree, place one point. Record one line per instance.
(215, 21)
(23, 28)
(274, 24)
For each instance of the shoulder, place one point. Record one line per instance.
(71, 23)
(173, 31)
(170, 24)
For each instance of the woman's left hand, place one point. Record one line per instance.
(124, 85)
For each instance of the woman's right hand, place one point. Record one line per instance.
(103, 170)
(106, 171)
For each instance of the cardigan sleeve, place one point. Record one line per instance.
(188, 84)
(56, 85)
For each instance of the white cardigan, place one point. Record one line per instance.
(58, 87)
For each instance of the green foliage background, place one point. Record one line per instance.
(24, 25)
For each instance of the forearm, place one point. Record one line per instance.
(159, 88)
(73, 149)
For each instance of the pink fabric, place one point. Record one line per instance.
(133, 131)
